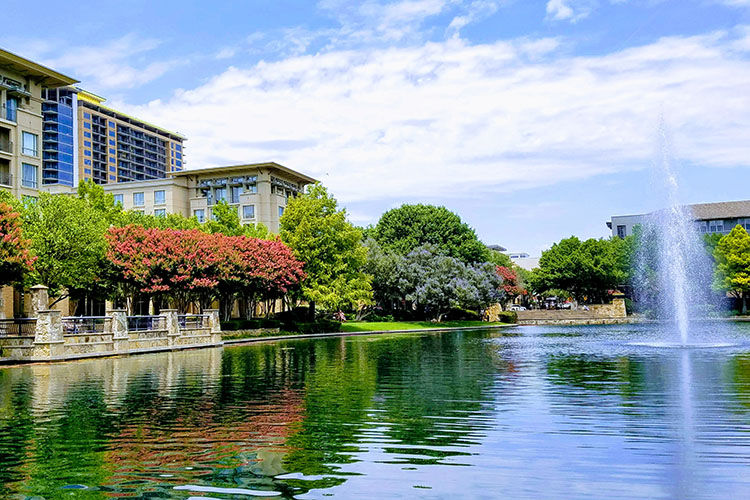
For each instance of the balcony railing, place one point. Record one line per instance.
(6, 145)
(19, 327)
(144, 323)
(192, 321)
(84, 324)
(6, 179)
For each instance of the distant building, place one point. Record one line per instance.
(84, 139)
(258, 191)
(22, 83)
(709, 218)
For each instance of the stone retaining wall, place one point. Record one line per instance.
(51, 343)
(597, 314)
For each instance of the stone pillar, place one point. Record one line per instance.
(173, 326)
(39, 300)
(118, 327)
(214, 324)
(48, 338)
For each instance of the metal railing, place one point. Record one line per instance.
(21, 327)
(84, 324)
(6, 145)
(143, 323)
(192, 321)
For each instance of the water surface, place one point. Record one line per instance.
(527, 413)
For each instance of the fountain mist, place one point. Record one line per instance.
(673, 269)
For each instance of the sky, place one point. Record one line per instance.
(534, 120)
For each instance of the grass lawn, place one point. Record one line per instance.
(366, 326)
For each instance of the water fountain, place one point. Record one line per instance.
(673, 262)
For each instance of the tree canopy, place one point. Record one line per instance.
(330, 246)
(586, 269)
(732, 271)
(404, 229)
(15, 258)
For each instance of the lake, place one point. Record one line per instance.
(523, 413)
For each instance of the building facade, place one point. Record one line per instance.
(108, 146)
(259, 192)
(22, 83)
(708, 218)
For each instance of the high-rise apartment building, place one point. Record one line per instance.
(21, 147)
(109, 146)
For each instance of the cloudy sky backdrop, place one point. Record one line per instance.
(534, 120)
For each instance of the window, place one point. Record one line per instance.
(30, 144)
(235, 193)
(111, 151)
(87, 125)
(248, 211)
(160, 212)
(86, 152)
(11, 105)
(200, 214)
(111, 124)
(87, 134)
(621, 231)
(29, 176)
(178, 147)
(179, 163)
(118, 199)
(111, 133)
(87, 116)
(87, 162)
(252, 188)
(159, 198)
(112, 178)
(281, 211)
(87, 144)
(87, 171)
(138, 199)
(111, 142)
(220, 194)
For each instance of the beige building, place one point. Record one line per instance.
(258, 191)
(21, 85)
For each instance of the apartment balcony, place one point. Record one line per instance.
(6, 145)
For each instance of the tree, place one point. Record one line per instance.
(587, 270)
(435, 283)
(15, 259)
(67, 238)
(511, 285)
(732, 272)
(408, 227)
(330, 246)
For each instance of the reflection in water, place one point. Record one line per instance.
(535, 413)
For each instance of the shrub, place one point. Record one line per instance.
(507, 317)
(318, 326)
(376, 318)
(460, 314)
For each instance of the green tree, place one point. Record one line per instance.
(732, 272)
(409, 227)
(330, 246)
(67, 238)
(15, 260)
(585, 269)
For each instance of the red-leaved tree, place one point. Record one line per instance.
(190, 265)
(15, 259)
(510, 284)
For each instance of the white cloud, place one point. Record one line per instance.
(570, 10)
(115, 64)
(454, 119)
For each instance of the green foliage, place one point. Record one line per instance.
(585, 269)
(507, 317)
(168, 221)
(67, 237)
(499, 258)
(226, 220)
(404, 229)
(99, 200)
(330, 246)
(732, 254)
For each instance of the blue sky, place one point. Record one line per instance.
(534, 120)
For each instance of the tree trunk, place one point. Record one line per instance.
(744, 303)
(311, 311)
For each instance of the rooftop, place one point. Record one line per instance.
(709, 211)
(235, 168)
(47, 77)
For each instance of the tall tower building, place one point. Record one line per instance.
(108, 146)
